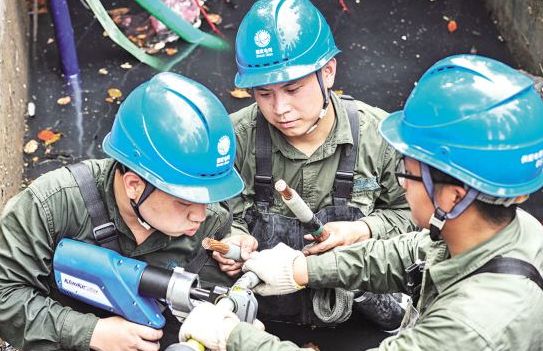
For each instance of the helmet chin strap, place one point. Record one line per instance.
(439, 217)
(149, 188)
(326, 96)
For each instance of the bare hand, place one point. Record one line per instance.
(341, 234)
(118, 334)
(247, 244)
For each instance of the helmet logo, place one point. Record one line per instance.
(262, 38)
(536, 157)
(223, 147)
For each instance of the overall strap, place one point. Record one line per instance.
(263, 181)
(510, 265)
(343, 182)
(104, 230)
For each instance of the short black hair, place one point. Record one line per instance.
(495, 214)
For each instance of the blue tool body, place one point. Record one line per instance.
(105, 279)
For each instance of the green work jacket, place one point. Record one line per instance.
(486, 311)
(30, 224)
(375, 190)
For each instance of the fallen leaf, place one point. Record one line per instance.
(214, 18)
(452, 26)
(65, 100)
(126, 65)
(117, 19)
(119, 11)
(311, 345)
(155, 48)
(240, 93)
(103, 71)
(35, 159)
(338, 92)
(114, 93)
(170, 51)
(31, 147)
(48, 136)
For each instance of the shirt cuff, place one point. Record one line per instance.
(76, 331)
(376, 225)
(246, 337)
(322, 270)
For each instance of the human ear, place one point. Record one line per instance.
(329, 73)
(133, 185)
(449, 195)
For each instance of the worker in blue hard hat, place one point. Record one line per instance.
(172, 150)
(324, 145)
(472, 143)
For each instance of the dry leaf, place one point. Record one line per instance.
(126, 65)
(119, 11)
(65, 100)
(114, 93)
(155, 48)
(170, 51)
(103, 71)
(48, 136)
(338, 91)
(240, 93)
(452, 26)
(214, 18)
(311, 345)
(31, 147)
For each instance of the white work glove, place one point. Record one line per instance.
(275, 268)
(209, 325)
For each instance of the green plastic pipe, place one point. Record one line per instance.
(160, 64)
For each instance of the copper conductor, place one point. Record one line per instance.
(215, 245)
(282, 187)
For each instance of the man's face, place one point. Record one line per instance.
(172, 216)
(293, 107)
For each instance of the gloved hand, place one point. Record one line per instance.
(275, 268)
(210, 325)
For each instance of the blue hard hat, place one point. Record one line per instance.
(281, 40)
(177, 135)
(477, 120)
